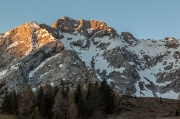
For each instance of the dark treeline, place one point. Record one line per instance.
(95, 101)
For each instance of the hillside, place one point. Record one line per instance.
(148, 108)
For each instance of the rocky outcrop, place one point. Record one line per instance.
(171, 42)
(114, 57)
(53, 31)
(129, 38)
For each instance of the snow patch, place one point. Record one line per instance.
(31, 74)
(12, 45)
(2, 73)
(34, 89)
(89, 30)
(6, 34)
(34, 24)
(61, 65)
(29, 50)
(14, 67)
(52, 84)
(43, 75)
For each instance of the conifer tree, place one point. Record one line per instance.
(54, 92)
(102, 95)
(26, 101)
(110, 100)
(73, 110)
(39, 97)
(5, 104)
(91, 101)
(35, 113)
(106, 98)
(64, 88)
(46, 102)
(73, 114)
(94, 98)
(79, 99)
(10, 103)
(88, 94)
(43, 107)
(60, 107)
(14, 102)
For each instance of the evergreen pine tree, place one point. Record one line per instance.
(40, 94)
(26, 102)
(106, 98)
(94, 98)
(46, 102)
(67, 91)
(5, 104)
(60, 107)
(79, 100)
(102, 96)
(110, 100)
(43, 106)
(88, 94)
(14, 102)
(35, 113)
(73, 110)
(54, 92)
(73, 114)
(91, 102)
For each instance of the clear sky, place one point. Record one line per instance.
(155, 19)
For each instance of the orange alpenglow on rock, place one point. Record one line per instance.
(171, 39)
(85, 27)
(17, 40)
(25, 38)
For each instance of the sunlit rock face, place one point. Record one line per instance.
(83, 51)
(84, 27)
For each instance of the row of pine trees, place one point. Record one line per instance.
(95, 101)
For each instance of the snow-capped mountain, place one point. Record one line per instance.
(85, 51)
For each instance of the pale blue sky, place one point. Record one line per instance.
(153, 19)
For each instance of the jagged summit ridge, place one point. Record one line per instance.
(85, 27)
(72, 51)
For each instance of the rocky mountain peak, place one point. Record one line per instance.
(72, 51)
(22, 40)
(17, 41)
(85, 27)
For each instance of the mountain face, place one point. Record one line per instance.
(73, 51)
